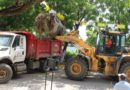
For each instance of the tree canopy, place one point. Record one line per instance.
(20, 14)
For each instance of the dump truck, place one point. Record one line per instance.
(109, 61)
(22, 52)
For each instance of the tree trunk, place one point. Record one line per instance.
(17, 9)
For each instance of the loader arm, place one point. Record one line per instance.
(85, 48)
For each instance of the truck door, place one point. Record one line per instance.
(18, 51)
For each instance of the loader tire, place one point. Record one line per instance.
(125, 68)
(6, 73)
(76, 68)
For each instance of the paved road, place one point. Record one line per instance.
(36, 81)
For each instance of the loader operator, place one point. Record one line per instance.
(108, 46)
(109, 43)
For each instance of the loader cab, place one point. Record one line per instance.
(110, 42)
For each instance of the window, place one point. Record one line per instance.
(16, 41)
(123, 41)
(5, 40)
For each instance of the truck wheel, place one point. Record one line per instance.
(76, 68)
(126, 69)
(6, 73)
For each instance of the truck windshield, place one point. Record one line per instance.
(5, 40)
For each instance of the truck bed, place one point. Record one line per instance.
(48, 48)
(41, 48)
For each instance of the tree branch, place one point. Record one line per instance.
(17, 9)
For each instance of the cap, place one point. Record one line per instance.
(45, 5)
(122, 74)
(52, 11)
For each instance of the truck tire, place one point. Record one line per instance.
(125, 68)
(6, 73)
(76, 68)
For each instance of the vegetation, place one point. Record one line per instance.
(21, 20)
(20, 14)
(69, 54)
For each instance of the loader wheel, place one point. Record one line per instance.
(6, 73)
(126, 69)
(76, 68)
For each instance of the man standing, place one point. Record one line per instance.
(122, 84)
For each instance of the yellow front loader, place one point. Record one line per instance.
(102, 59)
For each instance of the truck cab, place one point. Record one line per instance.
(12, 51)
(12, 46)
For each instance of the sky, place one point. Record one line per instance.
(82, 32)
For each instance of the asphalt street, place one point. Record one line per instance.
(36, 81)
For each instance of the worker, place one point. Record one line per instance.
(57, 28)
(42, 20)
(122, 84)
(53, 23)
(45, 6)
(109, 43)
